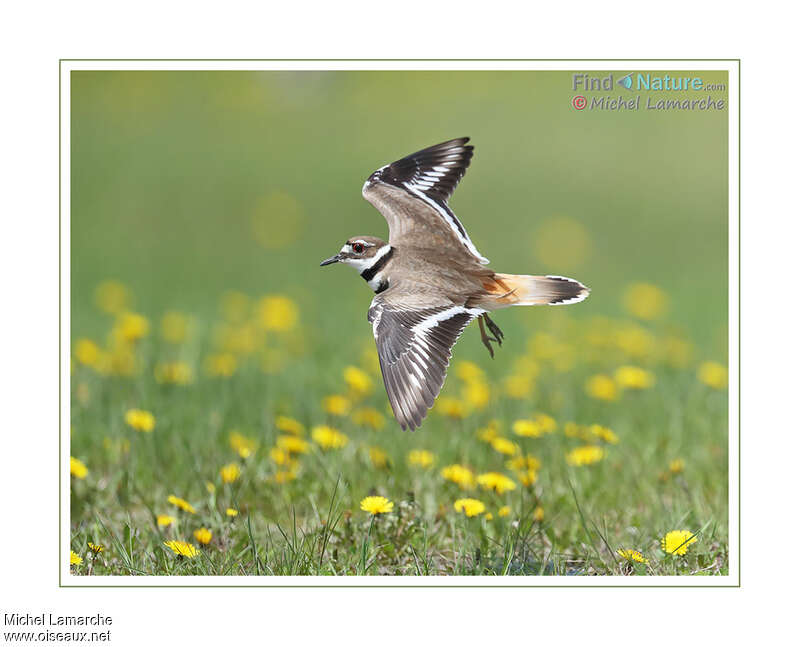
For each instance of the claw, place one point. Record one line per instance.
(495, 330)
(486, 339)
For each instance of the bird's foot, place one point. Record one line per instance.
(493, 328)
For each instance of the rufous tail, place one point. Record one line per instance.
(524, 290)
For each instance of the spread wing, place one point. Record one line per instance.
(414, 350)
(412, 195)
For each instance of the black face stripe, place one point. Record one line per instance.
(369, 273)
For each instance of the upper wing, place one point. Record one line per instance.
(414, 351)
(412, 195)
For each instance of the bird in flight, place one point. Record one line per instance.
(429, 279)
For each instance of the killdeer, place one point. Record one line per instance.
(430, 280)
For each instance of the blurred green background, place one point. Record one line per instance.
(188, 184)
(202, 204)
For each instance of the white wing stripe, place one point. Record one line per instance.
(450, 221)
(426, 324)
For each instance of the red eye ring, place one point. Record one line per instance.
(358, 248)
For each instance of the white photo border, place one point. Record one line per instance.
(732, 66)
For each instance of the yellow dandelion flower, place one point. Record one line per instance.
(602, 387)
(173, 373)
(210, 487)
(518, 386)
(75, 559)
(528, 428)
(378, 457)
(278, 313)
(140, 420)
(77, 468)
(677, 542)
(239, 339)
(460, 475)
(527, 477)
(504, 446)
(469, 371)
(87, 352)
(230, 473)
(280, 456)
(527, 366)
(504, 511)
(574, 430)
(586, 455)
(175, 327)
(489, 433)
(182, 549)
(470, 507)
(488, 516)
(289, 425)
(284, 476)
(120, 361)
(357, 380)
(604, 434)
(95, 548)
(221, 364)
(420, 458)
(538, 513)
(476, 394)
(231, 512)
(131, 326)
(182, 504)
(336, 405)
(633, 377)
(112, 297)
(547, 423)
(328, 437)
(645, 301)
(242, 445)
(713, 374)
(164, 520)
(292, 444)
(451, 407)
(677, 465)
(376, 505)
(369, 417)
(635, 341)
(202, 535)
(496, 481)
(524, 462)
(632, 555)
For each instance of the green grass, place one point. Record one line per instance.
(313, 524)
(188, 185)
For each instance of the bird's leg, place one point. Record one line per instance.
(486, 339)
(494, 329)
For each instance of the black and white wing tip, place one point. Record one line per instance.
(414, 349)
(432, 175)
(434, 171)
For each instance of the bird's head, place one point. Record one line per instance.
(359, 252)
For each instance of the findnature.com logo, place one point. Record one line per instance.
(645, 82)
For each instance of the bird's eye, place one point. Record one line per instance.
(358, 248)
